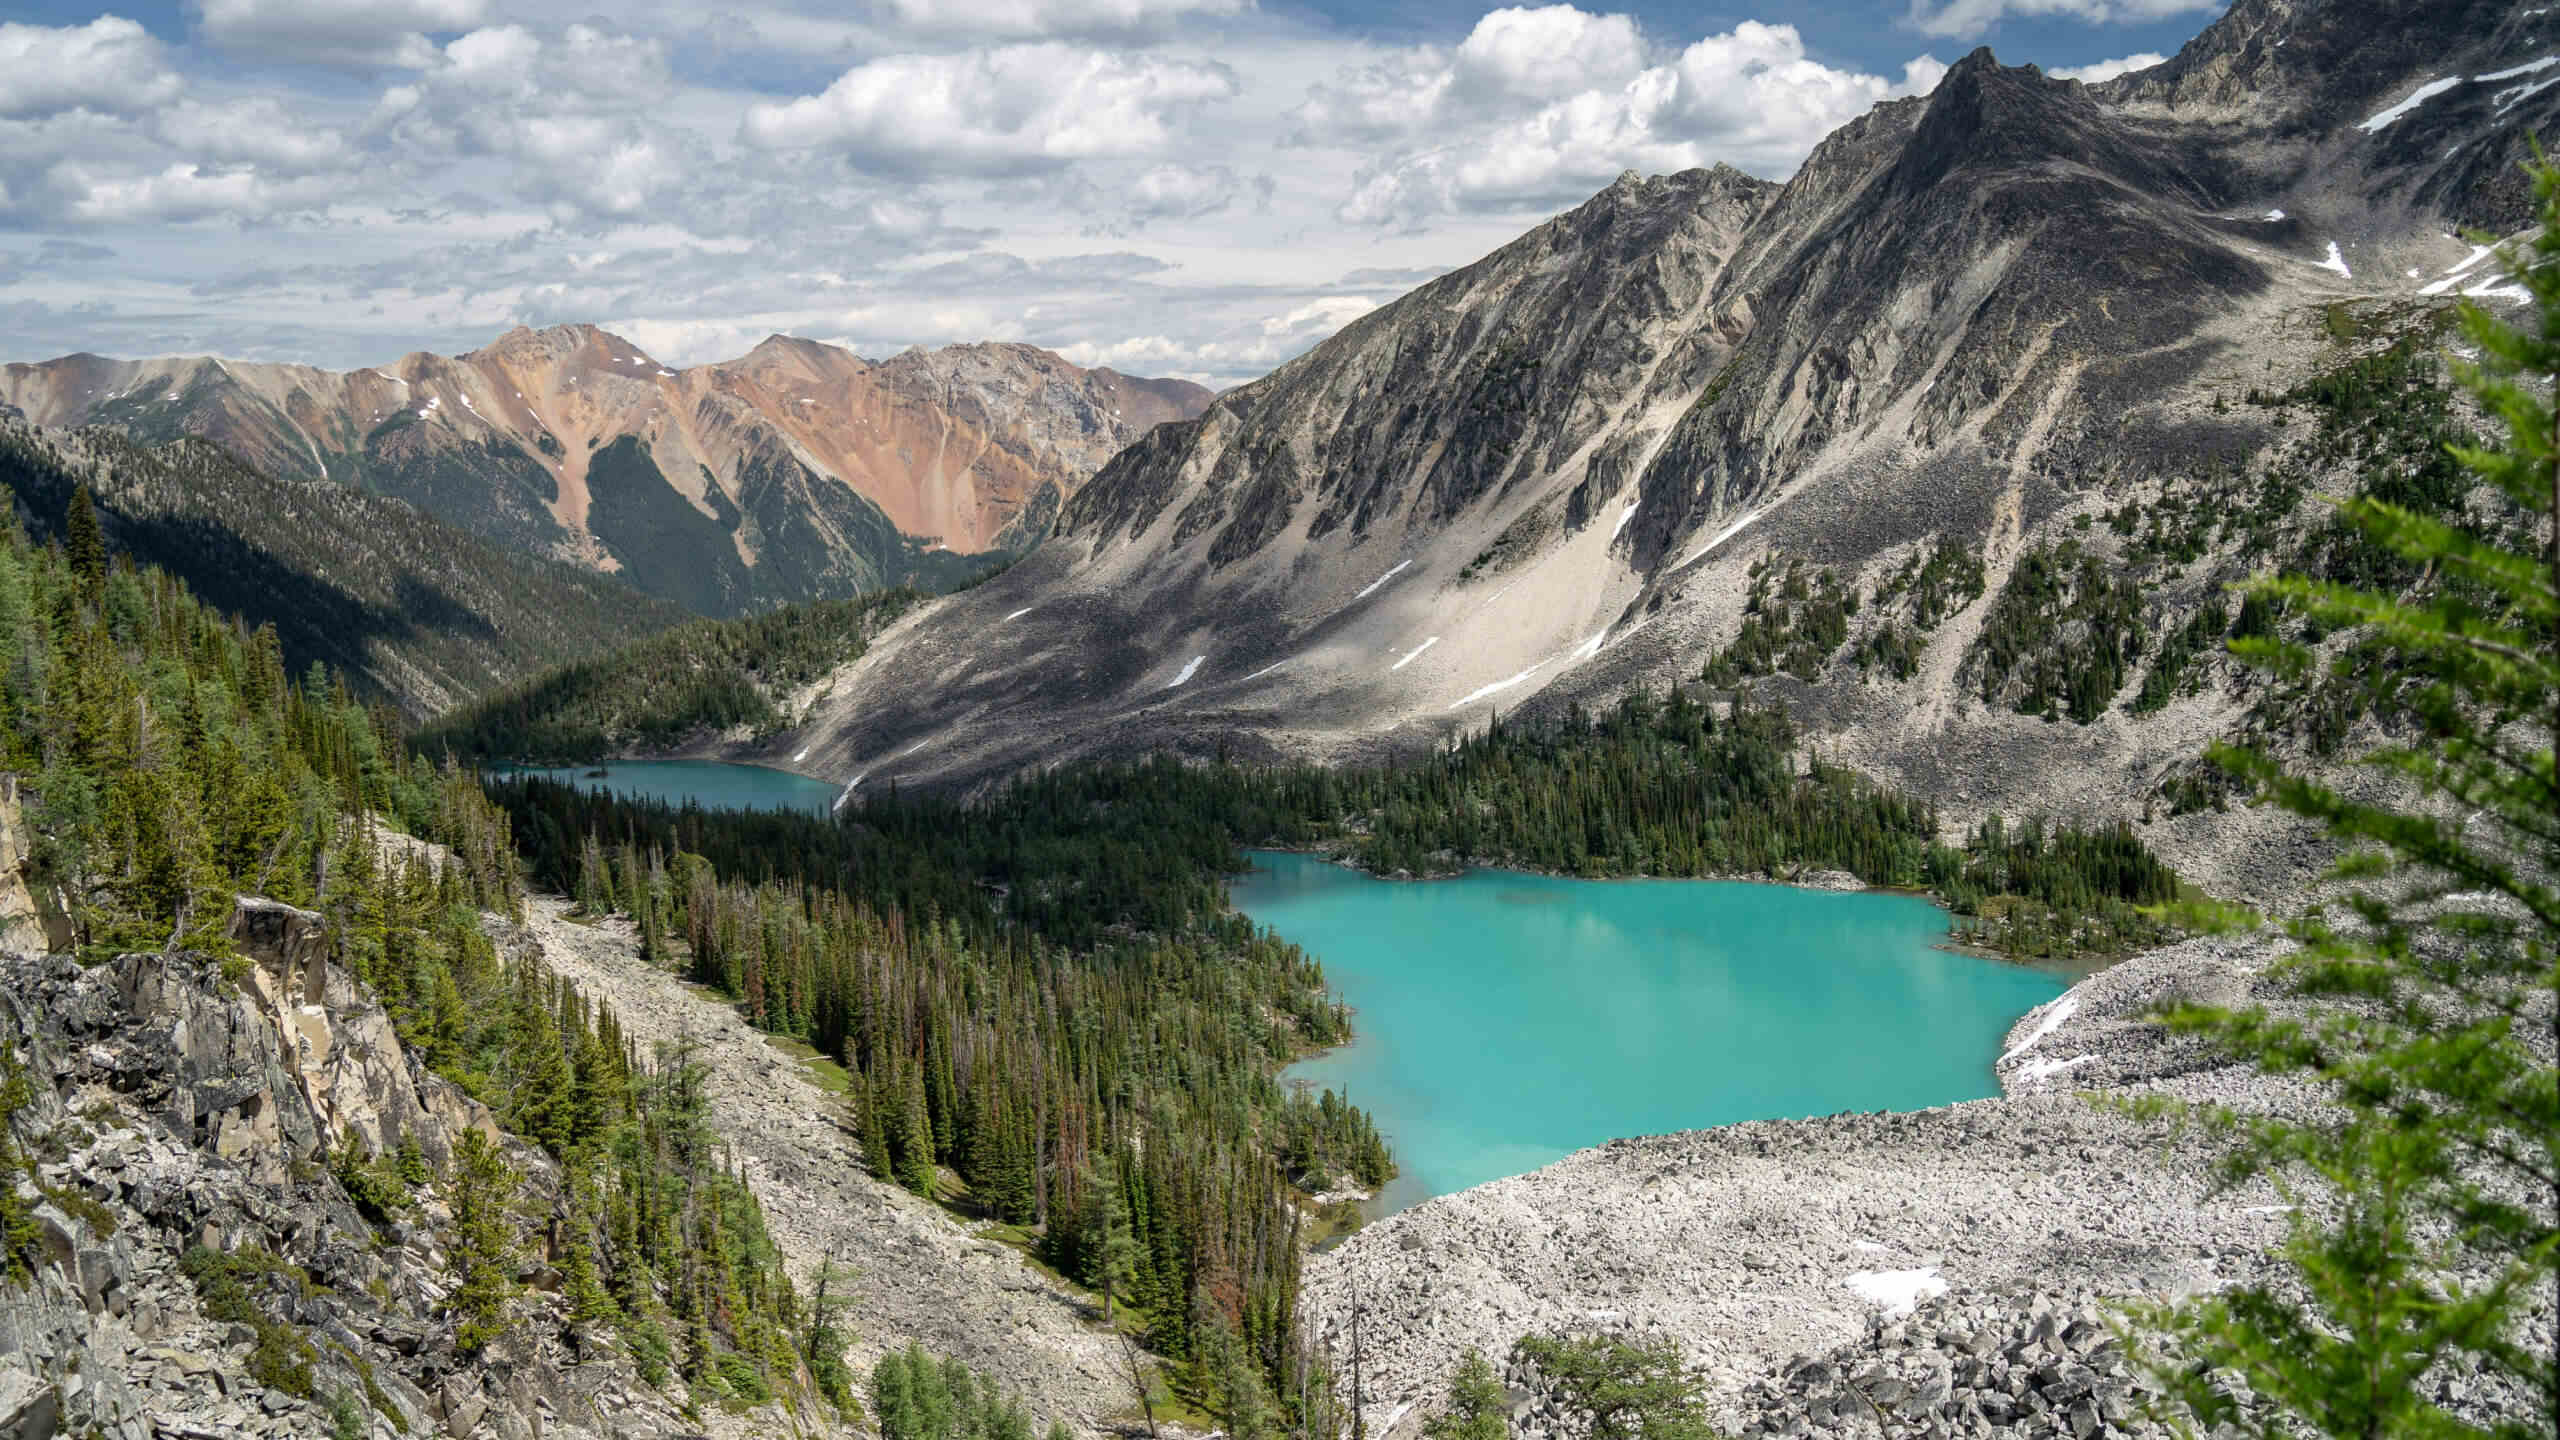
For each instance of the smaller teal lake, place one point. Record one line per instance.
(1505, 1020)
(711, 784)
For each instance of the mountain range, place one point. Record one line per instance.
(800, 471)
(1901, 441)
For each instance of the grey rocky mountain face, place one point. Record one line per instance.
(1975, 322)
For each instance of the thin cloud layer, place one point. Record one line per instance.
(350, 33)
(1971, 19)
(1194, 187)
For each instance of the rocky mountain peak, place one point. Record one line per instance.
(799, 472)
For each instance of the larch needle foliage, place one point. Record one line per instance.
(2424, 1240)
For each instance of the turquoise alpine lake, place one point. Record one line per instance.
(1504, 1020)
(711, 784)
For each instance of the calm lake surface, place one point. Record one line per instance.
(712, 784)
(1505, 1020)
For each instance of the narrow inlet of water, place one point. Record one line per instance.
(711, 784)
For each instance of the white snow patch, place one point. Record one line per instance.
(803, 755)
(1496, 595)
(1018, 614)
(2337, 261)
(666, 372)
(2274, 215)
(1267, 669)
(1722, 536)
(1623, 517)
(1187, 672)
(1869, 1246)
(2054, 1012)
(1479, 693)
(1417, 650)
(2413, 274)
(2493, 290)
(2266, 1209)
(805, 400)
(1897, 1292)
(849, 787)
(2047, 1069)
(1383, 579)
(1590, 647)
(910, 750)
(2507, 99)
(2530, 67)
(2433, 88)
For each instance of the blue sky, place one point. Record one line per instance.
(1196, 187)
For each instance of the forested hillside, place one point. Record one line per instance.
(408, 608)
(701, 680)
(173, 762)
(1100, 1073)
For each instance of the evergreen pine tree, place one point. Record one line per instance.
(1479, 1405)
(2442, 1154)
(1115, 1252)
(482, 1249)
(915, 1139)
(83, 544)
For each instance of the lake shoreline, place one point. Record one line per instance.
(1705, 991)
(2073, 969)
(1743, 1242)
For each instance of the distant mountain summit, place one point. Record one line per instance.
(797, 472)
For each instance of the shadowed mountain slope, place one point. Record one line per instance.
(406, 607)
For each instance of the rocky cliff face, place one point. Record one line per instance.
(1976, 322)
(800, 471)
(179, 1115)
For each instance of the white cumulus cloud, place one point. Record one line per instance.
(180, 193)
(2107, 69)
(110, 65)
(1546, 54)
(571, 113)
(1182, 192)
(357, 33)
(1750, 96)
(260, 131)
(1009, 110)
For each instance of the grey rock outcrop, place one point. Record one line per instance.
(181, 1103)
